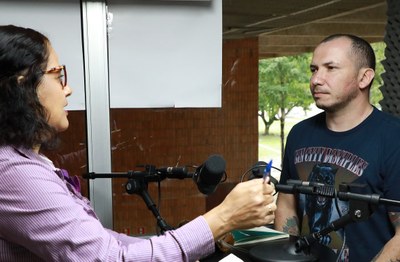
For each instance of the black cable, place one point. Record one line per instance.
(272, 179)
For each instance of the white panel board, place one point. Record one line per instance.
(165, 54)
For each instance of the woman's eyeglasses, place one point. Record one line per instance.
(59, 69)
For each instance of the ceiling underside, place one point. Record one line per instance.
(289, 27)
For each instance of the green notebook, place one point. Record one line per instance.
(256, 235)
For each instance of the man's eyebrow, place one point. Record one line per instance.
(329, 63)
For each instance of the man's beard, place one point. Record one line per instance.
(338, 104)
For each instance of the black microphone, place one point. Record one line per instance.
(315, 188)
(257, 171)
(294, 189)
(173, 172)
(209, 175)
(304, 183)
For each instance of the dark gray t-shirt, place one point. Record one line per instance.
(367, 155)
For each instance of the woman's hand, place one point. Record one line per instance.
(249, 204)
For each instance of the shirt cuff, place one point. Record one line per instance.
(197, 237)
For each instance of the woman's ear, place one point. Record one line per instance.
(366, 77)
(20, 79)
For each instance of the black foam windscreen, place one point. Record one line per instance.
(209, 174)
(258, 169)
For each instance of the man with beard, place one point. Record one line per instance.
(353, 138)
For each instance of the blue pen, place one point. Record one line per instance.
(267, 171)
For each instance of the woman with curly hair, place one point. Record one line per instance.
(44, 216)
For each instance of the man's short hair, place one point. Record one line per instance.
(361, 49)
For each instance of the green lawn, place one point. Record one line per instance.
(269, 146)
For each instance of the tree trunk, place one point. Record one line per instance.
(267, 124)
(266, 130)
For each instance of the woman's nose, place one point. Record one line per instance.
(67, 90)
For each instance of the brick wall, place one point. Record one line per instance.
(169, 137)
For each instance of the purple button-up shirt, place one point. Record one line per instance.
(43, 217)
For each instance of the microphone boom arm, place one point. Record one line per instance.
(138, 184)
(207, 177)
(359, 207)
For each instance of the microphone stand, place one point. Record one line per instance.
(138, 181)
(360, 208)
(138, 184)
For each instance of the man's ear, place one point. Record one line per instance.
(366, 77)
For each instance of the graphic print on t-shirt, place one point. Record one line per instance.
(330, 167)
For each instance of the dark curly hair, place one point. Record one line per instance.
(24, 55)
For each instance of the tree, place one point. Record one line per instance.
(376, 94)
(283, 85)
